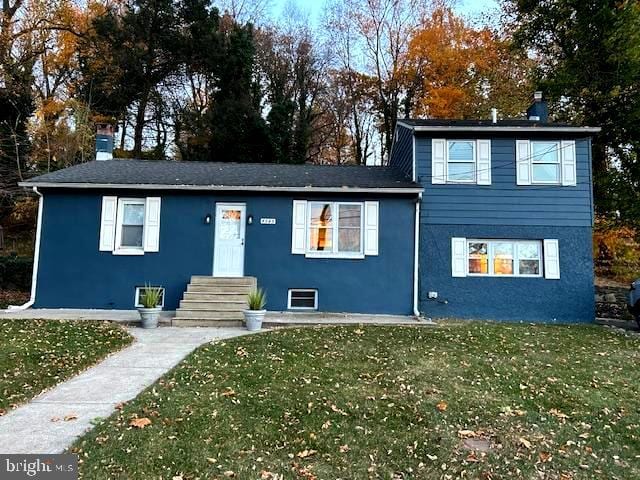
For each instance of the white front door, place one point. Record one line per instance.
(228, 255)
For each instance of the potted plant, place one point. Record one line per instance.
(254, 315)
(150, 298)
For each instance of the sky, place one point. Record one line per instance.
(314, 8)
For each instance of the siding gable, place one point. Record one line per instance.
(504, 202)
(401, 157)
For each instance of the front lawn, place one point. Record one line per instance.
(473, 400)
(37, 354)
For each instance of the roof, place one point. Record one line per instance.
(172, 175)
(515, 125)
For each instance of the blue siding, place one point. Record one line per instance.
(74, 274)
(570, 299)
(402, 151)
(503, 202)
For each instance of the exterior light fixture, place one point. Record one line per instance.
(250, 219)
(207, 219)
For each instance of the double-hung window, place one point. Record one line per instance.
(461, 161)
(335, 229)
(130, 225)
(518, 258)
(545, 162)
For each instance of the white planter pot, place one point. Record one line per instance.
(253, 319)
(149, 316)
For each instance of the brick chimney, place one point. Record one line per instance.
(104, 141)
(539, 110)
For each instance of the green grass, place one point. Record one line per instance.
(37, 354)
(555, 402)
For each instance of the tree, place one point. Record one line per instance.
(589, 65)
(457, 71)
(125, 59)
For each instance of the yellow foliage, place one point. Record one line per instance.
(616, 251)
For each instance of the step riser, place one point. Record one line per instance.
(205, 323)
(208, 314)
(238, 289)
(213, 306)
(223, 281)
(223, 297)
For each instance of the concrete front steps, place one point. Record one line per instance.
(214, 301)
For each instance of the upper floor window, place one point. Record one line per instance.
(461, 161)
(545, 162)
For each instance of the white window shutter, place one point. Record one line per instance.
(568, 157)
(551, 259)
(152, 225)
(299, 227)
(438, 160)
(483, 164)
(523, 162)
(108, 223)
(371, 222)
(458, 257)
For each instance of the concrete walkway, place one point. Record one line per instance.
(40, 425)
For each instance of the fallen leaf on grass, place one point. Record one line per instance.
(337, 410)
(466, 433)
(212, 460)
(344, 448)
(229, 473)
(140, 422)
(306, 453)
(229, 392)
(2, 412)
(525, 443)
(544, 457)
(558, 414)
(442, 406)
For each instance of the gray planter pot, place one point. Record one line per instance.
(253, 319)
(149, 316)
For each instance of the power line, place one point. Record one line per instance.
(506, 164)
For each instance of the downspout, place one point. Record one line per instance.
(416, 251)
(36, 258)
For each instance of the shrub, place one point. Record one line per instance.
(616, 251)
(15, 273)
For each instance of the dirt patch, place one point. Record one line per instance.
(12, 297)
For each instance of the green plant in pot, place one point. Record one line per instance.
(151, 301)
(254, 315)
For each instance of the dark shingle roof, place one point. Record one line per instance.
(475, 124)
(210, 175)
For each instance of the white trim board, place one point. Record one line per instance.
(498, 128)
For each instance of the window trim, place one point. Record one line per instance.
(315, 303)
(558, 163)
(516, 257)
(118, 248)
(474, 145)
(136, 298)
(334, 253)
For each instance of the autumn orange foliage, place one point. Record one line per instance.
(460, 72)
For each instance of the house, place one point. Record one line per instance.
(506, 216)
(470, 219)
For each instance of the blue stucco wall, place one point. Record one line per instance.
(74, 274)
(504, 202)
(567, 300)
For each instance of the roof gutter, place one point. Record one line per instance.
(36, 259)
(498, 128)
(246, 188)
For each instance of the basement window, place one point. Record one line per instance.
(140, 291)
(303, 299)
